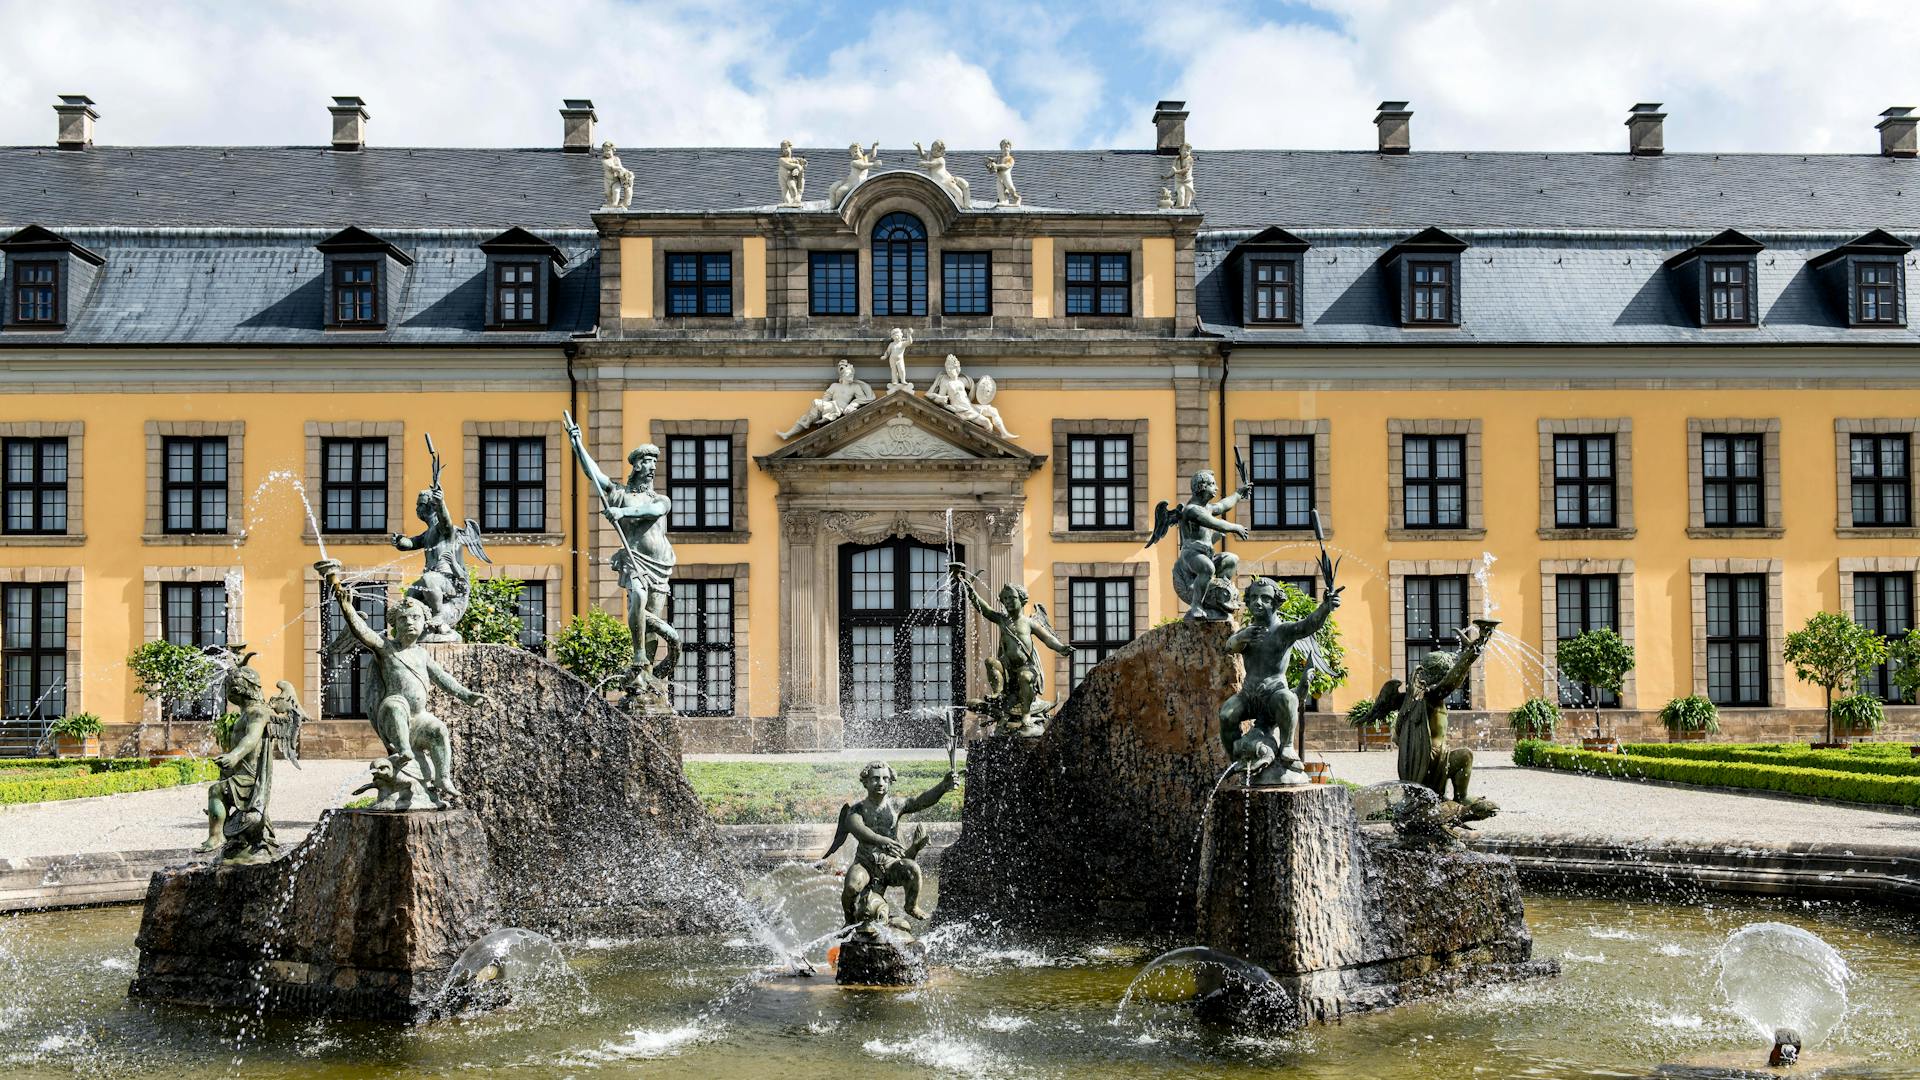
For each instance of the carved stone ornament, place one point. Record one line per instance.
(1002, 169)
(934, 162)
(1004, 523)
(899, 439)
(800, 524)
(793, 175)
(859, 163)
(841, 522)
(617, 180)
(968, 521)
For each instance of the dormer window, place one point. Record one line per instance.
(1716, 279)
(1729, 296)
(1875, 293)
(363, 278)
(1274, 282)
(1268, 265)
(1423, 273)
(1866, 279)
(36, 293)
(1432, 284)
(47, 279)
(515, 297)
(356, 294)
(519, 276)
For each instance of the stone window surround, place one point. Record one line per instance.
(75, 432)
(1398, 571)
(1140, 572)
(1622, 572)
(471, 432)
(1843, 432)
(1769, 431)
(1061, 464)
(1776, 621)
(739, 574)
(1621, 428)
(1881, 564)
(155, 576)
(711, 244)
(659, 431)
(548, 575)
(1135, 251)
(1476, 528)
(394, 432)
(158, 431)
(71, 577)
(314, 624)
(1244, 432)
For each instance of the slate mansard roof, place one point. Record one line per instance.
(214, 245)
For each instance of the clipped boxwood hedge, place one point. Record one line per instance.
(1787, 779)
(1796, 755)
(41, 782)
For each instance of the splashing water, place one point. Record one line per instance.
(1778, 976)
(284, 476)
(1484, 575)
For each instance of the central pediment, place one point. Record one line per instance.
(901, 430)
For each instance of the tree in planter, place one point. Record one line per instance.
(1690, 713)
(493, 612)
(171, 675)
(1830, 652)
(594, 646)
(78, 726)
(1859, 712)
(1599, 658)
(1360, 715)
(1534, 719)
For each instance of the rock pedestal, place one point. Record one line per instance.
(878, 962)
(361, 921)
(1348, 919)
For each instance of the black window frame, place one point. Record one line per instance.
(1437, 295)
(1730, 291)
(699, 483)
(1571, 619)
(1432, 484)
(198, 488)
(711, 294)
(1271, 289)
(1734, 644)
(196, 596)
(1732, 483)
(1280, 484)
(1088, 282)
(699, 642)
(1445, 631)
(1575, 481)
(356, 486)
(45, 698)
(38, 490)
(344, 661)
(1882, 296)
(349, 289)
(514, 485)
(1877, 483)
(826, 296)
(899, 271)
(524, 293)
(978, 263)
(905, 609)
(533, 610)
(1100, 484)
(1100, 641)
(47, 292)
(1871, 609)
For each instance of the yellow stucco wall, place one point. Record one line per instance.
(753, 277)
(1156, 277)
(636, 277)
(1043, 277)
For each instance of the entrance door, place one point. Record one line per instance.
(902, 639)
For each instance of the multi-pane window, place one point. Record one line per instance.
(193, 485)
(516, 293)
(833, 283)
(1282, 476)
(1432, 293)
(34, 664)
(1099, 284)
(1100, 482)
(1101, 619)
(1737, 639)
(195, 613)
(347, 663)
(356, 293)
(1876, 298)
(1883, 603)
(966, 283)
(36, 293)
(703, 676)
(532, 608)
(1436, 609)
(700, 283)
(700, 475)
(34, 485)
(899, 265)
(1434, 481)
(1881, 480)
(1585, 602)
(1583, 481)
(1732, 481)
(353, 485)
(513, 484)
(1274, 291)
(1729, 299)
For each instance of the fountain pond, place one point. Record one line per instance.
(1638, 991)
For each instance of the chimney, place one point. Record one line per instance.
(350, 118)
(77, 116)
(1897, 132)
(576, 125)
(1169, 127)
(1394, 122)
(1645, 137)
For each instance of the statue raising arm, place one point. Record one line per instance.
(1315, 619)
(1043, 630)
(987, 611)
(587, 464)
(343, 597)
(1471, 645)
(452, 685)
(930, 796)
(1206, 515)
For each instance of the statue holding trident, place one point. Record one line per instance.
(644, 564)
(1201, 576)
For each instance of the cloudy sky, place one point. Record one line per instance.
(1802, 75)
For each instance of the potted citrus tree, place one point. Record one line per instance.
(1858, 714)
(1691, 718)
(77, 735)
(172, 676)
(1830, 652)
(1534, 719)
(1599, 660)
(1371, 733)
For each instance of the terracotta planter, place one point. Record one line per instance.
(168, 753)
(1376, 740)
(1319, 772)
(1688, 736)
(71, 746)
(1841, 745)
(1914, 751)
(1604, 745)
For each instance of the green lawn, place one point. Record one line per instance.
(782, 792)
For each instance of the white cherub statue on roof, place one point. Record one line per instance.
(617, 180)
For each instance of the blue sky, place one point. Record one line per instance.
(1794, 75)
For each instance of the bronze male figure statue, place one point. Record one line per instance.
(1266, 750)
(1202, 576)
(237, 821)
(444, 586)
(881, 861)
(1015, 677)
(1419, 711)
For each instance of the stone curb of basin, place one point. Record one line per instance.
(1878, 873)
(1722, 789)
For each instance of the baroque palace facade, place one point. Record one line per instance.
(1675, 394)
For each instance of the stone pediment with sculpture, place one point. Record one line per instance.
(898, 427)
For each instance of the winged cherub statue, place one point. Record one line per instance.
(237, 821)
(1203, 577)
(444, 587)
(1419, 712)
(882, 862)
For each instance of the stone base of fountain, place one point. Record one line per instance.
(865, 961)
(1350, 919)
(363, 920)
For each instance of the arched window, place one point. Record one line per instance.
(899, 266)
